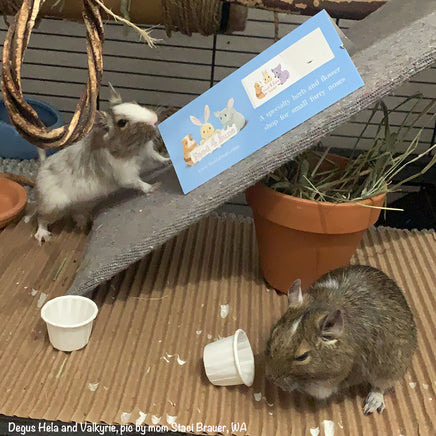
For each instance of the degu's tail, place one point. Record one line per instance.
(42, 154)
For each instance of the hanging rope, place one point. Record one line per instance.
(188, 16)
(276, 26)
(22, 115)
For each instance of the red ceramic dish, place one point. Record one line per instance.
(13, 199)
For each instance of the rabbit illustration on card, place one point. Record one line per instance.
(266, 76)
(206, 129)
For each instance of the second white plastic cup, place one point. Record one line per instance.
(69, 321)
(229, 361)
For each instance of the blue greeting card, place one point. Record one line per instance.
(294, 79)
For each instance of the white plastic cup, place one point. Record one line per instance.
(69, 321)
(229, 361)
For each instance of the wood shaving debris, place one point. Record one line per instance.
(41, 300)
(92, 386)
(155, 419)
(171, 419)
(125, 417)
(259, 397)
(329, 427)
(224, 310)
(180, 361)
(141, 418)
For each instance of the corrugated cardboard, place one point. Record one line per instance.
(144, 360)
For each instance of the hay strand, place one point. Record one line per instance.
(142, 32)
(364, 176)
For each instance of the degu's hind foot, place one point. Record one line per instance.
(42, 235)
(374, 401)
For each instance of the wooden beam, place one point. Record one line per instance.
(143, 12)
(349, 9)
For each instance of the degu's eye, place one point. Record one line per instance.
(122, 122)
(302, 357)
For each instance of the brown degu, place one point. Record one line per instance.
(352, 326)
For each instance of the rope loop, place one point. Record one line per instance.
(22, 115)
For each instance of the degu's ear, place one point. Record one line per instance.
(102, 123)
(114, 96)
(295, 296)
(206, 113)
(331, 325)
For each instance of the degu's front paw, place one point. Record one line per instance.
(155, 186)
(374, 401)
(148, 189)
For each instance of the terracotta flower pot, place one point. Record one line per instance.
(304, 239)
(13, 199)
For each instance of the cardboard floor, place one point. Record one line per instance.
(143, 364)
